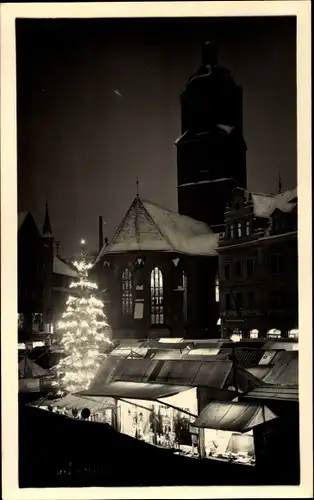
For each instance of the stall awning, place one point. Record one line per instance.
(284, 370)
(276, 393)
(239, 417)
(94, 404)
(136, 390)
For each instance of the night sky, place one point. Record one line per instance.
(83, 144)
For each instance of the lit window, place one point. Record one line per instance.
(239, 229)
(231, 231)
(293, 334)
(247, 228)
(127, 293)
(217, 288)
(236, 335)
(274, 334)
(254, 334)
(157, 295)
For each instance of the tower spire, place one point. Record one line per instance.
(47, 231)
(137, 183)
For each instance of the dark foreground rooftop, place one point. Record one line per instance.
(56, 451)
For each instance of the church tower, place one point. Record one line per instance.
(211, 152)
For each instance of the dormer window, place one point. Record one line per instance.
(239, 229)
(247, 228)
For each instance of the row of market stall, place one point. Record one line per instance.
(208, 406)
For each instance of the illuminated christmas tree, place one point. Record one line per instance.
(85, 334)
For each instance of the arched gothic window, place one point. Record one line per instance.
(127, 293)
(156, 297)
(185, 295)
(217, 288)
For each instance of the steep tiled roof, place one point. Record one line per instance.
(147, 226)
(60, 267)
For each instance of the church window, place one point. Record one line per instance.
(157, 296)
(231, 231)
(239, 229)
(127, 293)
(185, 295)
(247, 228)
(217, 288)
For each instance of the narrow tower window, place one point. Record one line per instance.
(185, 296)
(239, 229)
(127, 293)
(157, 295)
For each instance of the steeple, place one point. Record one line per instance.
(47, 231)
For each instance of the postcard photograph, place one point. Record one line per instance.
(157, 251)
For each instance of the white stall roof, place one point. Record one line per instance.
(136, 390)
(239, 417)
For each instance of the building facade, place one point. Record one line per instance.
(43, 281)
(258, 265)
(158, 275)
(211, 152)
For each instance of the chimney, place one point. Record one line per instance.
(101, 233)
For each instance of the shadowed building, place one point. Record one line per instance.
(258, 264)
(157, 271)
(43, 280)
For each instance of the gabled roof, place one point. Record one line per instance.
(147, 226)
(21, 219)
(60, 267)
(266, 204)
(30, 369)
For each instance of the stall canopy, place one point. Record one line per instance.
(284, 370)
(29, 369)
(288, 393)
(239, 417)
(192, 373)
(136, 390)
(94, 404)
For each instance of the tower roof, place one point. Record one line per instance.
(47, 226)
(149, 227)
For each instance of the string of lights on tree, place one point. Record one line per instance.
(84, 333)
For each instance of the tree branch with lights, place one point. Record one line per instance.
(85, 334)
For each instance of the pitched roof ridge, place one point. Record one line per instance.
(174, 212)
(154, 222)
(120, 227)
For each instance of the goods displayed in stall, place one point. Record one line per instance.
(230, 446)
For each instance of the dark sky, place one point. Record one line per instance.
(84, 145)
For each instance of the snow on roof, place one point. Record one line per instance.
(21, 218)
(60, 267)
(266, 204)
(147, 226)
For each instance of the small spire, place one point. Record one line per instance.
(47, 231)
(137, 183)
(279, 184)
